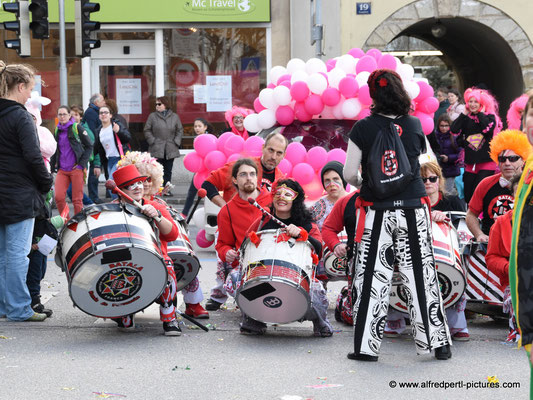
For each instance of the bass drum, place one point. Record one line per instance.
(112, 259)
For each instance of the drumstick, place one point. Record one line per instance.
(201, 194)
(266, 213)
(112, 186)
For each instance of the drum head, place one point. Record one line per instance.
(186, 267)
(335, 267)
(118, 282)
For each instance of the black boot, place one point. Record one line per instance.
(443, 353)
(362, 357)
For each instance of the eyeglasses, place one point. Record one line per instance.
(252, 174)
(238, 118)
(62, 115)
(134, 186)
(444, 126)
(148, 180)
(285, 193)
(432, 179)
(503, 159)
(158, 104)
(103, 112)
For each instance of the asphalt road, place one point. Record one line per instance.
(75, 356)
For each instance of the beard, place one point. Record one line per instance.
(248, 188)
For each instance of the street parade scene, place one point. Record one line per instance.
(200, 201)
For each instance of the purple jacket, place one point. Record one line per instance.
(449, 148)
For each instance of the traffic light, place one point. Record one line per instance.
(21, 26)
(39, 19)
(84, 26)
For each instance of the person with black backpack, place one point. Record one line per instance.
(393, 223)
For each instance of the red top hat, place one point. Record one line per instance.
(127, 175)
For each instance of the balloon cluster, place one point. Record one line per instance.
(212, 153)
(335, 89)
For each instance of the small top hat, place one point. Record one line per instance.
(127, 175)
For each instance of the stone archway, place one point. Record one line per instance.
(482, 44)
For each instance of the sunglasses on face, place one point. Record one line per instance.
(503, 159)
(432, 179)
(285, 193)
(148, 180)
(158, 104)
(134, 186)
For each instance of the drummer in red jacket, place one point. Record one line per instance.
(130, 181)
(220, 180)
(234, 219)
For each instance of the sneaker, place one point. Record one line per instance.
(196, 311)
(391, 334)
(172, 328)
(98, 201)
(362, 357)
(39, 308)
(322, 329)
(125, 324)
(461, 337)
(512, 337)
(212, 305)
(36, 317)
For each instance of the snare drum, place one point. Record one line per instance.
(449, 266)
(336, 267)
(276, 278)
(483, 285)
(112, 259)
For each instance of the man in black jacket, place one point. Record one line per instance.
(93, 121)
(25, 178)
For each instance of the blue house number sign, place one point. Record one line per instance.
(364, 8)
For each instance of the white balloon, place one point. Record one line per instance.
(398, 63)
(299, 75)
(251, 123)
(411, 88)
(294, 65)
(266, 97)
(327, 113)
(335, 76)
(317, 83)
(267, 119)
(346, 63)
(406, 71)
(362, 78)
(351, 108)
(276, 72)
(282, 95)
(314, 65)
(337, 110)
(198, 218)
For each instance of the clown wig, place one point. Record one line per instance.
(510, 140)
(147, 166)
(516, 109)
(488, 104)
(232, 112)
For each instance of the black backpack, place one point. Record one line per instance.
(388, 168)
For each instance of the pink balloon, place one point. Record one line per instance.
(303, 173)
(300, 113)
(286, 84)
(426, 121)
(204, 144)
(337, 155)
(348, 87)
(365, 112)
(193, 162)
(258, 107)
(317, 157)
(366, 63)
(425, 91)
(429, 105)
(325, 76)
(285, 166)
(233, 145)
(271, 86)
(214, 160)
(202, 241)
(295, 153)
(284, 77)
(199, 178)
(331, 96)
(253, 146)
(314, 189)
(356, 52)
(387, 61)
(234, 157)
(285, 115)
(223, 139)
(330, 64)
(375, 53)
(314, 104)
(364, 95)
(299, 91)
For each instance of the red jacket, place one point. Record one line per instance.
(234, 219)
(221, 178)
(173, 234)
(334, 222)
(499, 247)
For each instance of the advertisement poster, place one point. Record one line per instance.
(218, 92)
(129, 97)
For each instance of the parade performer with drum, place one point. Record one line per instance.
(150, 167)
(288, 208)
(130, 181)
(392, 229)
(493, 196)
(234, 219)
(440, 203)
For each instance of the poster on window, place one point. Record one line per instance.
(129, 96)
(218, 89)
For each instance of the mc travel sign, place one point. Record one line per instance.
(146, 11)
